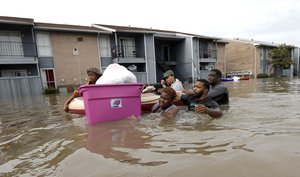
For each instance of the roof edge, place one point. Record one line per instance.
(103, 28)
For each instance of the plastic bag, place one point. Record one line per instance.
(116, 74)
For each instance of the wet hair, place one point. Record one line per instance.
(205, 83)
(94, 70)
(170, 91)
(218, 72)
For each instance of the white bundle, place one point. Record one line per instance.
(116, 74)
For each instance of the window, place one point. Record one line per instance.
(127, 47)
(203, 50)
(165, 53)
(43, 44)
(11, 43)
(105, 46)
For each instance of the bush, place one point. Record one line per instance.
(50, 91)
(263, 75)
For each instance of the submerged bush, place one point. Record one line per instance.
(263, 75)
(50, 91)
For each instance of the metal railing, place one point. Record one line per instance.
(126, 52)
(26, 49)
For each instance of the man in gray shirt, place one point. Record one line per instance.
(218, 92)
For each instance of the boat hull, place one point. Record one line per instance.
(148, 100)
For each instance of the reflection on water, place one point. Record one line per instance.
(260, 127)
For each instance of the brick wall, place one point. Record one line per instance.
(240, 56)
(220, 64)
(67, 68)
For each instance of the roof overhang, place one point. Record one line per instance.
(17, 21)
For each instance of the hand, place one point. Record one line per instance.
(66, 107)
(163, 82)
(200, 108)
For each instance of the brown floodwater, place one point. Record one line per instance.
(258, 135)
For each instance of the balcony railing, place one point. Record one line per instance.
(126, 52)
(24, 49)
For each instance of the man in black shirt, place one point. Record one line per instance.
(199, 100)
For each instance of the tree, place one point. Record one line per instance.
(281, 57)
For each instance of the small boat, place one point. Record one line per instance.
(226, 79)
(244, 78)
(147, 99)
(235, 79)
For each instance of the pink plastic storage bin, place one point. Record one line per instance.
(109, 102)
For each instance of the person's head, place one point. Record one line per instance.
(201, 87)
(167, 97)
(93, 74)
(214, 77)
(169, 77)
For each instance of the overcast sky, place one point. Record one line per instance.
(264, 20)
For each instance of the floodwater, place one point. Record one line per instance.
(258, 135)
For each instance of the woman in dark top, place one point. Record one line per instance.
(165, 105)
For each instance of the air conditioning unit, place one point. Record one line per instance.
(75, 51)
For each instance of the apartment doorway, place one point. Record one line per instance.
(48, 78)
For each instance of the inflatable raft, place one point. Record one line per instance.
(148, 100)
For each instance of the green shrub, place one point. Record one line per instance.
(50, 91)
(263, 75)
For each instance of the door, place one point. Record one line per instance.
(48, 78)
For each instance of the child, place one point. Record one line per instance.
(94, 74)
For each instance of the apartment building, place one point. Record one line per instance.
(65, 52)
(19, 69)
(251, 57)
(57, 55)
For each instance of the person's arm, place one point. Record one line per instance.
(66, 105)
(212, 112)
(187, 91)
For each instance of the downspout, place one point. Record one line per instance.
(216, 51)
(35, 49)
(98, 44)
(36, 57)
(292, 65)
(146, 58)
(154, 54)
(225, 60)
(298, 62)
(192, 55)
(254, 72)
(116, 44)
